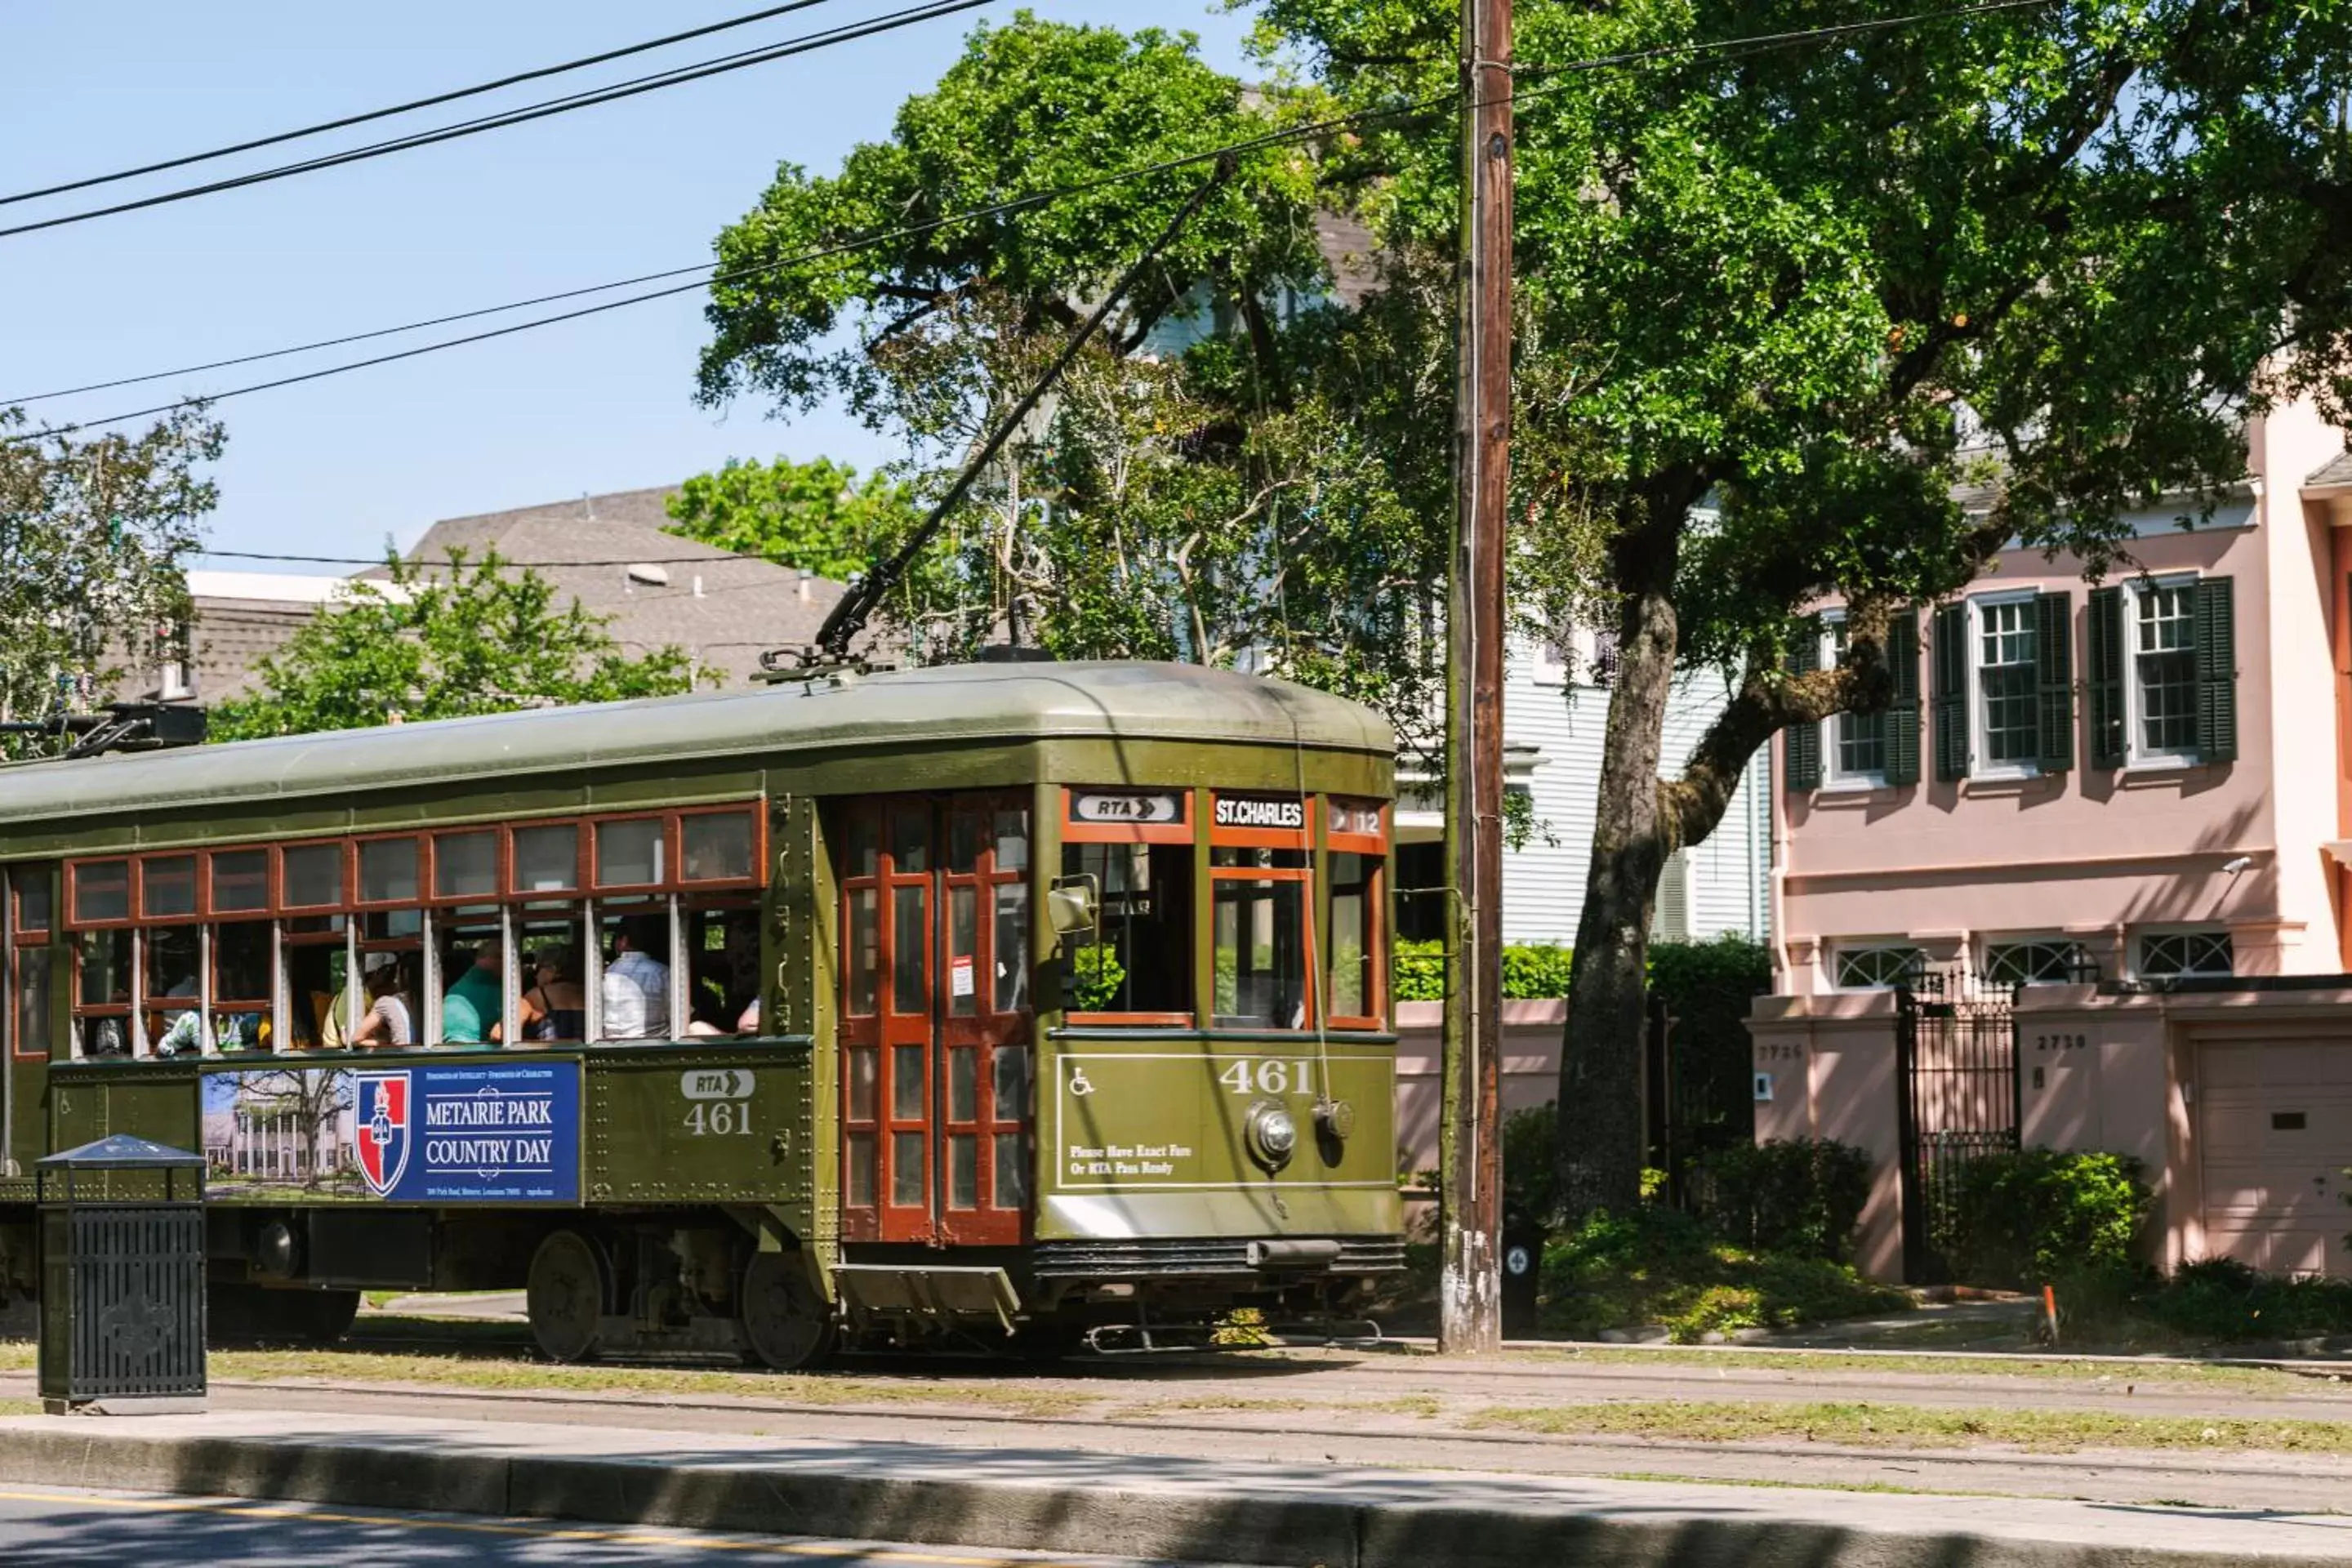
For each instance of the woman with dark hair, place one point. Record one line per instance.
(556, 1006)
(387, 1021)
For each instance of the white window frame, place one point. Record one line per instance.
(1836, 776)
(1545, 665)
(1841, 951)
(2139, 953)
(2067, 946)
(2138, 758)
(1979, 751)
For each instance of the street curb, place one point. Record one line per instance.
(1274, 1529)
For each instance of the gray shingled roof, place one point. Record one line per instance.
(2336, 470)
(723, 613)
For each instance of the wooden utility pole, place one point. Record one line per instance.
(1470, 1294)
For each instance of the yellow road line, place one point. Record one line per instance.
(536, 1532)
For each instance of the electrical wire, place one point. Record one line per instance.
(586, 99)
(434, 100)
(1760, 43)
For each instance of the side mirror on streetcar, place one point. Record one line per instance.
(1073, 905)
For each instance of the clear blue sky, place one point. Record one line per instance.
(603, 405)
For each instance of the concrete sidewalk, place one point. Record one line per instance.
(1299, 1513)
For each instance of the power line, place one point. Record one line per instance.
(1532, 71)
(412, 105)
(725, 558)
(586, 99)
(1757, 44)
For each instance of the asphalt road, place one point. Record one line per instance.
(61, 1525)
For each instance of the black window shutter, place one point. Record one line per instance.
(1901, 715)
(1949, 701)
(2053, 679)
(2217, 671)
(1804, 741)
(2105, 687)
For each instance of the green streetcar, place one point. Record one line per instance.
(1012, 1004)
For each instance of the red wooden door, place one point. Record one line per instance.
(935, 1020)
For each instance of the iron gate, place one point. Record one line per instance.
(1956, 1101)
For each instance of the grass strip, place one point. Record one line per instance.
(1910, 1427)
(2145, 1372)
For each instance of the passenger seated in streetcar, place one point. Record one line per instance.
(720, 1004)
(555, 1007)
(386, 1022)
(473, 1011)
(636, 984)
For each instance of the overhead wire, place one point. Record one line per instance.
(590, 98)
(1756, 44)
(433, 101)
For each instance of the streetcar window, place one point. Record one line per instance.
(167, 887)
(472, 947)
(32, 1000)
(632, 853)
(313, 875)
(241, 882)
(1143, 961)
(865, 950)
(101, 892)
(465, 865)
(1355, 964)
(554, 1005)
(1260, 925)
(634, 937)
(319, 1008)
(716, 847)
(102, 993)
(176, 1026)
(547, 859)
(722, 945)
(240, 1000)
(388, 871)
(30, 884)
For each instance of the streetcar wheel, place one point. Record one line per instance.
(785, 1321)
(566, 1295)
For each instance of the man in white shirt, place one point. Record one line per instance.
(636, 983)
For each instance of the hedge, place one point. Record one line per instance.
(2029, 1216)
(1531, 971)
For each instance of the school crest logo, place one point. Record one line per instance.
(382, 1115)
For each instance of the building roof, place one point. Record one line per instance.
(722, 609)
(2336, 470)
(941, 705)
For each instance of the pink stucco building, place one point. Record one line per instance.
(2129, 805)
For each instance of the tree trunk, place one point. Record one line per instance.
(1599, 1117)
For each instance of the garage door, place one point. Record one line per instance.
(2274, 1135)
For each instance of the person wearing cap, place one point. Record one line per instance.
(387, 1022)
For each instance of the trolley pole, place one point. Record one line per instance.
(1470, 1295)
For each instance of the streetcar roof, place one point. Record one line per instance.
(948, 703)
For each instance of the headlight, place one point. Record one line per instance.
(1273, 1135)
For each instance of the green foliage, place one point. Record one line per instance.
(1213, 482)
(1097, 975)
(1660, 1266)
(2223, 1300)
(2026, 1218)
(1707, 988)
(1535, 970)
(1801, 1197)
(1530, 1170)
(92, 534)
(447, 642)
(816, 516)
(1532, 972)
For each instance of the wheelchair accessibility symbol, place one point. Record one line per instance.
(1079, 1084)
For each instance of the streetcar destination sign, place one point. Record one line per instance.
(1233, 812)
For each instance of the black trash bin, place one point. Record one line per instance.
(123, 1277)
(1523, 1245)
